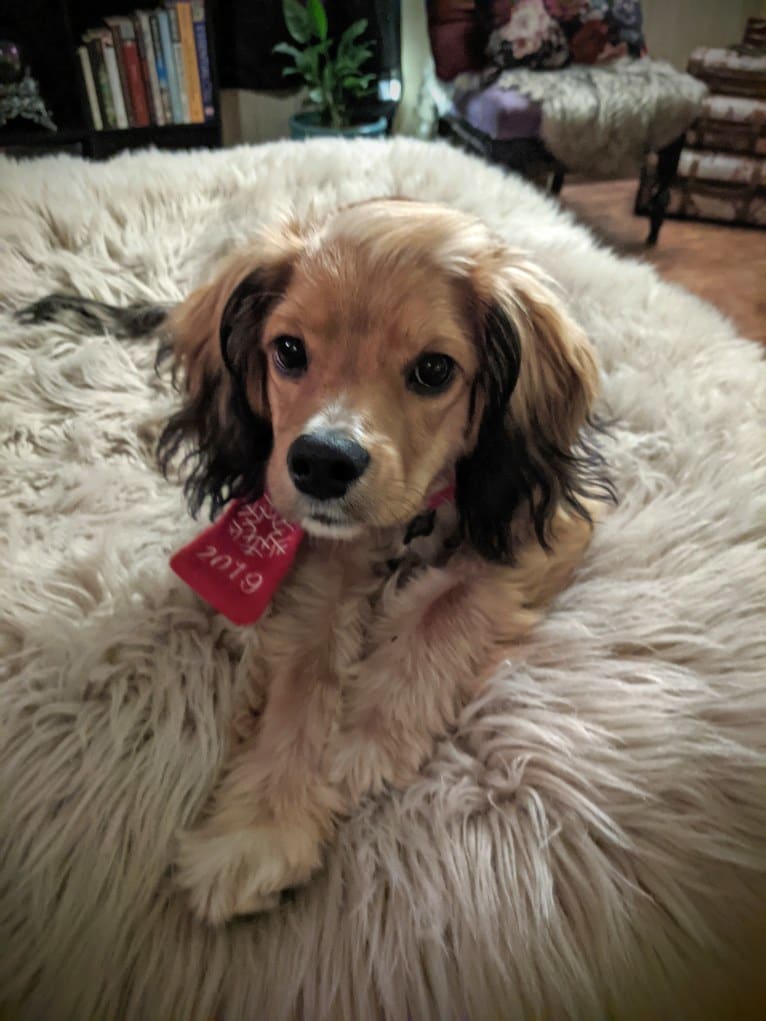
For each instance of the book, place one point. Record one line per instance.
(118, 55)
(178, 60)
(148, 65)
(191, 70)
(101, 79)
(170, 64)
(90, 88)
(162, 71)
(124, 36)
(203, 58)
(110, 60)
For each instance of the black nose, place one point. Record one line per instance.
(324, 464)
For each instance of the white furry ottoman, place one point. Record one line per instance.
(592, 839)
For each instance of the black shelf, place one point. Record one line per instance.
(49, 33)
(170, 136)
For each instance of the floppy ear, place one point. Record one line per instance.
(533, 395)
(223, 428)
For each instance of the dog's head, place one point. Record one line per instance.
(353, 367)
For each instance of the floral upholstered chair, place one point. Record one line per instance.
(551, 86)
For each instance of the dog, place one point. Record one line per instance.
(353, 368)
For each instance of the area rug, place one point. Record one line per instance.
(589, 842)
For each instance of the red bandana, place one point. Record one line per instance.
(239, 561)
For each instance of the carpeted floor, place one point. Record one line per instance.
(588, 842)
(725, 265)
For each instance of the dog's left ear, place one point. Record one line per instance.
(223, 428)
(534, 391)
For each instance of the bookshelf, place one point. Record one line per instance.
(50, 32)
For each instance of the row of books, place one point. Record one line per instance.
(149, 67)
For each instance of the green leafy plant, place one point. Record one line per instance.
(333, 74)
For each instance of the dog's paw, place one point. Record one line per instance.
(361, 766)
(243, 871)
(366, 761)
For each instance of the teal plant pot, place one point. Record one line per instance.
(308, 125)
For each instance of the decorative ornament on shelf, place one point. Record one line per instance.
(19, 91)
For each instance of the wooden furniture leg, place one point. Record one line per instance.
(655, 203)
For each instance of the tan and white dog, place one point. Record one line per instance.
(352, 368)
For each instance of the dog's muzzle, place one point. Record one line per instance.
(325, 464)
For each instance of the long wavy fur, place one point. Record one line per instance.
(507, 469)
(225, 443)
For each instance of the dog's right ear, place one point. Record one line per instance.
(223, 430)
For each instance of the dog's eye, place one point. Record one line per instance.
(290, 356)
(431, 374)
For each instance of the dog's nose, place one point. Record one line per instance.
(324, 464)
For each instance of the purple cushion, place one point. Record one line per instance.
(503, 114)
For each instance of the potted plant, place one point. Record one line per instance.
(333, 74)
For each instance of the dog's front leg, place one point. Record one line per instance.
(427, 658)
(434, 649)
(272, 811)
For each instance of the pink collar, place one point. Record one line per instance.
(238, 562)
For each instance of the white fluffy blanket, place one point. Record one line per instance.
(603, 119)
(591, 836)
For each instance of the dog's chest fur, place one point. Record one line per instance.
(344, 596)
(346, 605)
(355, 628)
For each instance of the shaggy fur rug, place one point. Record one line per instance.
(589, 840)
(603, 119)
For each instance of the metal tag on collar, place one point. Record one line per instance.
(423, 524)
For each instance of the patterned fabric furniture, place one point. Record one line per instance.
(548, 87)
(721, 173)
